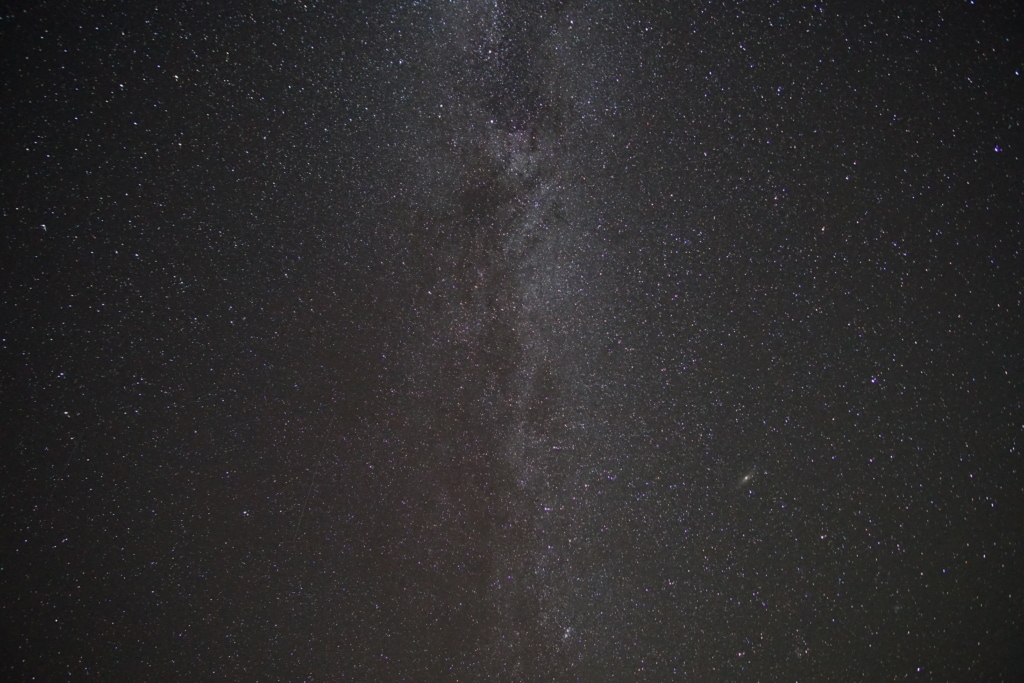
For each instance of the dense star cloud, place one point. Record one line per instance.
(512, 341)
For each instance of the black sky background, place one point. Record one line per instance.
(512, 341)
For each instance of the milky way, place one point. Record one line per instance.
(562, 341)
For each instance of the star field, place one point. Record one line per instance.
(562, 341)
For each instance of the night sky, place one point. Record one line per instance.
(512, 340)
